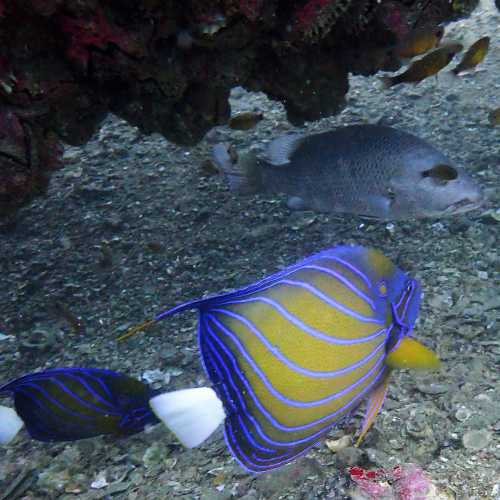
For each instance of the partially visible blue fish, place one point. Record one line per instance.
(293, 355)
(66, 404)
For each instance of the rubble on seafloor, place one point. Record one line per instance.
(168, 67)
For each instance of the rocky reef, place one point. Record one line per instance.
(168, 66)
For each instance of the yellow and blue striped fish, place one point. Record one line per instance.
(70, 403)
(295, 354)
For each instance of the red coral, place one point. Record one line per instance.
(305, 17)
(96, 32)
(251, 9)
(403, 482)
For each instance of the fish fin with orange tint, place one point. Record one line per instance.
(375, 403)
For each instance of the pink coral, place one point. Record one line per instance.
(410, 482)
(403, 482)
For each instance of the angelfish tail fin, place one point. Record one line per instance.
(191, 414)
(242, 172)
(10, 424)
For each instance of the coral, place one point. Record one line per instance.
(168, 66)
(316, 17)
(251, 8)
(403, 482)
(96, 32)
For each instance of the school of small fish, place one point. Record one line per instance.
(297, 353)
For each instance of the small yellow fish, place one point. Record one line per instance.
(494, 117)
(419, 42)
(474, 55)
(245, 121)
(429, 65)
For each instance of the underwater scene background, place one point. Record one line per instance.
(134, 225)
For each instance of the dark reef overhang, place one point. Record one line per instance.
(168, 66)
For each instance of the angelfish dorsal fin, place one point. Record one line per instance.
(280, 150)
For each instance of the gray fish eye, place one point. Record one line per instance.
(441, 174)
(391, 194)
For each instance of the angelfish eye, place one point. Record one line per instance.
(382, 288)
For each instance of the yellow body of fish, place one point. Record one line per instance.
(474, 55)
(429, 65)
(494, 117)
(419, 42)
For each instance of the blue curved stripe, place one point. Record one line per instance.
(91, 390)
(256, 424)
(232, 444)
(104, 386)
(328, 300)
(351, 268)
(52, 415)
(265, 412)
(409, 298)
(311, 289)
(277, 394)
(348, 284)
(299, 324)
(234, 409)
(55, 402)
(293, 366)
(81, 401)
(266, 282)
(53, 372)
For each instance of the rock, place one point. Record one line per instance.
(348, 456)
(476, 440)
(278, 481)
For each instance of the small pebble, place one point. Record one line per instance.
(463, 414)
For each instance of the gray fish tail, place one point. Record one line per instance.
(243, 173)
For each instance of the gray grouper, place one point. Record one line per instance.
(369, 170)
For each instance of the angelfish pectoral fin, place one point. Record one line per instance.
(10, 424)
(191, 414)
(413, 355)
(375, 403)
